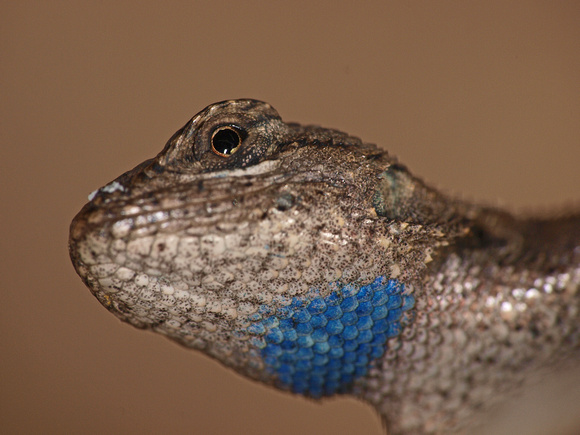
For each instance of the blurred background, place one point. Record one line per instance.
(480, 99)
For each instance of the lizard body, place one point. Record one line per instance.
(306, 259)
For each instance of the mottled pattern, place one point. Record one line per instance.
(245, 251)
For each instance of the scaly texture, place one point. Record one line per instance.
(308, 260)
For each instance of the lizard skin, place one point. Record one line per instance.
(306, 259)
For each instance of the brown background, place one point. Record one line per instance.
(481, 100)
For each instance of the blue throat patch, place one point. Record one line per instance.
(318, 346)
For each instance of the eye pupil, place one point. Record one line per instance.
(225, 141)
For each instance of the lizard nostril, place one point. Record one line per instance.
(225, 141)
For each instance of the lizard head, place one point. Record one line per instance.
(287, 252)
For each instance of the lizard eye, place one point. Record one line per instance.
(226, 140)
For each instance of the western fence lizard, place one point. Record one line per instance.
(306, 259)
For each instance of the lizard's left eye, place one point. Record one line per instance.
(226, 140)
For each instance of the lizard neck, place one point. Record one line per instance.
(491, 310)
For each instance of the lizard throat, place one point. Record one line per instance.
(318, 346)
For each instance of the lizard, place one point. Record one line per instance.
(311, 261)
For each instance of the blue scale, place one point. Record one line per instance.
(318, 346)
